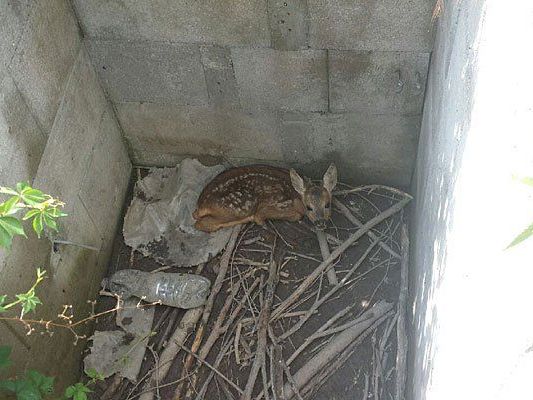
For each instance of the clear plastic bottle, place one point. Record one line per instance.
(171, 289)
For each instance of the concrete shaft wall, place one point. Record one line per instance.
(58, 131)
(472, 333)
(294, 81)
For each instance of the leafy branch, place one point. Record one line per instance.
(528, 232)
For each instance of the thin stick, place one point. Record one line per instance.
(276, 374)
(212, 368)
(324, 249)
(336, 253)
(331, 292)
(291, 380)
(370, 188)
(350, 217)
(186, 325)
(224, 265)
(337, 345)
(262, 331)
(401, 352)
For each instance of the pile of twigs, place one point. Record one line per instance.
(264, 334)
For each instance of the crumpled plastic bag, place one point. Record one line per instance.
(159, 221)
(122, 352)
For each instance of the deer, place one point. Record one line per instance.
(257, 193)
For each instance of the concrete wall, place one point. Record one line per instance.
(58, 131)
(294, 81)
(471, 333)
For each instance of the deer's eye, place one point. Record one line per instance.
(309, 208)
(327, 206)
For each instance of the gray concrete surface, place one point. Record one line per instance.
(378, 82)
(57, 130)
(226, 23)
(151, 72)
(206, 79)
(43, 57)
(471, 331)
(380, 25)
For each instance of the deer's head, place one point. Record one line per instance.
(316, 198)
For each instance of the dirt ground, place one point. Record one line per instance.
(370, 370)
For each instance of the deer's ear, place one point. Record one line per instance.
(330, 178)
(297, 182)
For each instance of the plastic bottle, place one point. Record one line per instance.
(171, 289)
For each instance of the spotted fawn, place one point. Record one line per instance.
(256, 193)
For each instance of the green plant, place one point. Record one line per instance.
(43, 210)
(528, 232)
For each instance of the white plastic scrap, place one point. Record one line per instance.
(159, 221)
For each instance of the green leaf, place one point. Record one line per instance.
(9, 207)
(7, 386)
(94, 374)
(38, 224)
(526, 233)
(29, 301)
(527, 180)
(6, 190)
(50, 222)
(45, 384)
(5, 238)
(32, 197)
(31, 214)
(5, 352)
(56, 213)
(22, 185)
(23, 388)
(77, 392)
(12, 225)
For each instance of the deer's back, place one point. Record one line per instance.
(243, 189)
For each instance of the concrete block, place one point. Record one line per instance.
(366, 148)
(219, 76)
(13, 16)
(104, 188)
(289, 24)
(188, 130)
(234, 22)
(44, 57)
(377, 82)
(290, 81)
(19, 348)
(66, 157)
(381, 25)
(21, 141)
(152, 72)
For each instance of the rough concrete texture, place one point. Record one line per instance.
(377, 82)
(44, 56)
(281, 80)
(21, 140)
(13, 15)
(289, 24)
(219, 76)
(233, 22)
(471, 332)
(312, 141)
(67, 154)
(86, 165)
(187, 130)
(379, 25)
(152, 72)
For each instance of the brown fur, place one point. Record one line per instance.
(253, 193)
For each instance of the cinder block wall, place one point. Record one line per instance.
(58, 131)
(295, 82)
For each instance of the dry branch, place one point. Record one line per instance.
(324, 249)
(353, 219)
(337, 345)
(262, 330)
(401, 352)
(336, 253)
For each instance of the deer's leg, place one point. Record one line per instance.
(272, 212)
(212, 224)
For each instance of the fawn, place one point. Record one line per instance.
(256, 193)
